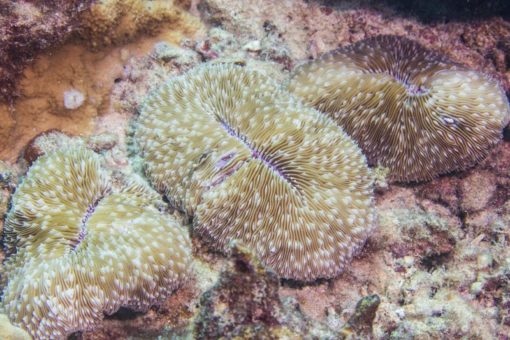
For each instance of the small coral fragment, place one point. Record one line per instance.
(78, 248)
(410, 109)
(226, 145)
(361, 321)
(73, 99)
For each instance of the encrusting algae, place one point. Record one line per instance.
(86, 53)
(78, 248)
(410, 109)
(250, 163)
(111, 22)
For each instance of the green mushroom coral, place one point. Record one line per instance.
(78, 249)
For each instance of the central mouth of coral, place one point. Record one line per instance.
(83, 229)
(412, 88)
(415, 89)
(271, 165)
(256, 154)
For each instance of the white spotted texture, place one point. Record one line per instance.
(410, 109)
(248, 162)
(78, 249)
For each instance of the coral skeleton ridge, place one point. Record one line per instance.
(78, 248)
(410, 109)
(250, 163)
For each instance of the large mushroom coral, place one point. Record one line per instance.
(248, 162)
(77, 248)
(409, 108)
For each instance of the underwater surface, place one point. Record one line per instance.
(220, 169)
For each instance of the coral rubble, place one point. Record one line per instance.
(77, 247)
(360, 323)
(244, 303)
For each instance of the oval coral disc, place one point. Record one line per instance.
(410, 109)
(252, 164)
(79, 249)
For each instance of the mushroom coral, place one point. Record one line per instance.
(409, 108)
(250, 163)
(78, 248)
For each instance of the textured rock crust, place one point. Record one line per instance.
(112, 22)
(245, 303)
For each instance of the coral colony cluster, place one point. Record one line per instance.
(246, 160)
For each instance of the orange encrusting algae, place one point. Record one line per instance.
(75, 66)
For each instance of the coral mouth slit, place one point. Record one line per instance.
(255, 154)
(412, 88)
(83, 225)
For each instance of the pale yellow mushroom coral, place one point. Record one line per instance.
(78, 249)
(250, 163)
(409, 108)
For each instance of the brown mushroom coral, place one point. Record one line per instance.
(78, 249)
(250, 163)
(410, 109)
